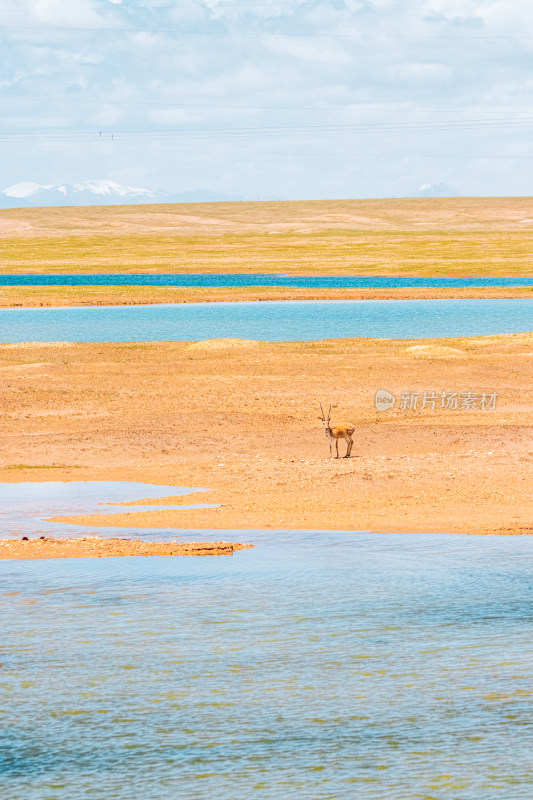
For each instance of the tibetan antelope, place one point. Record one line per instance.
(336, 432)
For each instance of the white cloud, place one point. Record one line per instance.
(19, 123)
(314, 51)
(64, 12)
(174, 116)
(86, 57)
(403, 67)
(107, 115)
(496, 17)
(155, 4)
(510, 17)
(148, 40)
(454, 8)
(229, 10)
(422, 72)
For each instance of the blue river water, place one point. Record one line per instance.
(256, 279)
(319, 666)
(268, 321)
(26, 507)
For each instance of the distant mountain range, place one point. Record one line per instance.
(28, 194)
(101, 193)
(436, 190)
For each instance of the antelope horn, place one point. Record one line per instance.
(329, 412)
(322, 410)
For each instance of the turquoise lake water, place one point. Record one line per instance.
(318, 665)
(253, 279)
(269, 320)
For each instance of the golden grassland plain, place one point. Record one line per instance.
(402, 237)
(240, 418)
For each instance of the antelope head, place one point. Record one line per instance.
(323, 417)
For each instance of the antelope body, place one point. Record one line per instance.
(336, 432)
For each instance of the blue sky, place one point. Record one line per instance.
(303, 99)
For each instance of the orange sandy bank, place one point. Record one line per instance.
(46, 296)
(94, 547)
(241, 419)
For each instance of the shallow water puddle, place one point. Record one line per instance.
(26, 507)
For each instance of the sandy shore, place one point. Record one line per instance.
(241, 418)
(94, 547)
(42, 296)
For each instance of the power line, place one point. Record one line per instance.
(420, 126)
(134, 140)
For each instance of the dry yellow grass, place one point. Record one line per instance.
(441, 236)
(222, 344)
(39, 296)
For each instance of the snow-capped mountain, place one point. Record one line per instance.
(95, 193)
(25, 189)
(436, 190)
